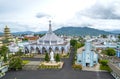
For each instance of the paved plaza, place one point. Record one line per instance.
(32, 65)
(65, 73)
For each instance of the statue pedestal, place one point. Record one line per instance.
(52, 60)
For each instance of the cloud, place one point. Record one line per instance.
(102, 11)
(41, 15)
(14, 26)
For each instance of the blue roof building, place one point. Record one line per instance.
(87, 57)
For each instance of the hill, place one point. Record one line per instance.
(115, 31)
(28, 32)
(80, 31)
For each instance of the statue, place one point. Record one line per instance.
(51, 56)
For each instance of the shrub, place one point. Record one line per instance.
(105, 68)
(104, 62)
(77, 66)
(47, 57)
(15, 63)
(110, 52)
(57, 58)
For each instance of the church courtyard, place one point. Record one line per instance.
(65, 73)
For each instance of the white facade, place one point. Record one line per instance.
(13, 48)
(49, 42)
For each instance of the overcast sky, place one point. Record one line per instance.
(33, 15)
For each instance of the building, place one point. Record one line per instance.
(13, 48)
(3, 67)
(31, 38)
(118, 50)
(103, 43)
(49, 42)
(87, 57)
(7, 34)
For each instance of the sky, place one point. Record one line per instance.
(33, 15)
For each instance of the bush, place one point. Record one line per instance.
(110, 52)
(47, 57)
(57, 58)
(77, 66)
(105, 68)
(103, 62)
(15, 63)
(49, 66)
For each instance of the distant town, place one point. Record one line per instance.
(54, 56)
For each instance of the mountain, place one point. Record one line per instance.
(41, 32)
(29, 32)
(25, 32)
(1, 33)
(115, 31)
(80, 31)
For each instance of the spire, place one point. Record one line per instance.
(6, 26)
(50, 28)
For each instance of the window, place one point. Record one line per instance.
(46, 41)
(94, 61)
(53, 41)
(40, 41)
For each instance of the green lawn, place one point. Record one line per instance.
(25, 62)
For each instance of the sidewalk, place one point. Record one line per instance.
(95, 68)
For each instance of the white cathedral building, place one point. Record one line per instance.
(49, 42)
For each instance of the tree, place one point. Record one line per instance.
(15, 63)
(78, 45)
(73, 43)
(110, 52)
(19, 53)
(25, 39)
(104, 62)
(3, 52)
(47, 57)
(104, 36)
(57, 58)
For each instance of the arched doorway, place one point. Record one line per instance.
(38, 50)
(31, 49)
(56, 50)
(26, 50)
(62, 50)
(50, 49)
(44, 50)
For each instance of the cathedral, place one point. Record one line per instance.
(49, 42)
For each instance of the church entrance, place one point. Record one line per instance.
(87, 64)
